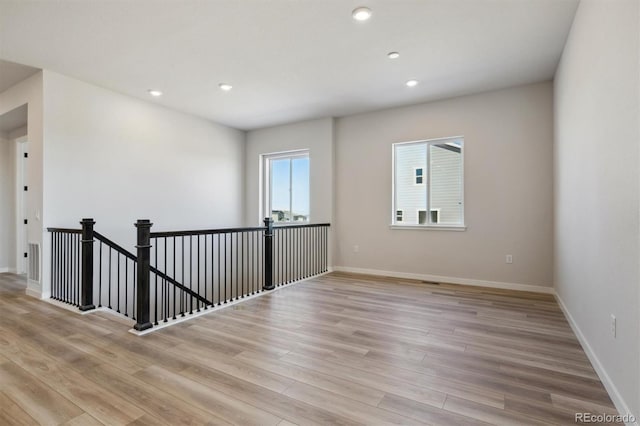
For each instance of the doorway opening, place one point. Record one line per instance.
(13, 194)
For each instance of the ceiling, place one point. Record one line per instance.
(13, 119)
(289, 60)
(11, 73)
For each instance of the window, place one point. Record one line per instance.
(435, 215)
(428, 177)
(286, 186)
(422, 217)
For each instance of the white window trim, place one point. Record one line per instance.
(426, 176)
(265, 175)
(430, 227)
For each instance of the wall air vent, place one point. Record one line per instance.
(33, 258)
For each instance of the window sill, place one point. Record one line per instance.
(458, 228)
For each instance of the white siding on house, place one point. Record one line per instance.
(445, 184)
(410, 197)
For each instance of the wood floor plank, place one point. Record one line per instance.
(327, 382)
(217, 403)
(83, 420)
(364, 378)
(235, 367)
(425, 413)
(156, 403)
(489, 414)
(354, 410)
(37, 399)
(92, 398)
(290, 409)
(12, 414)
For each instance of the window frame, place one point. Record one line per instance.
(427, 183)
(422, 176)
(266, 177)
(400, 212)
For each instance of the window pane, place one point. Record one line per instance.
(422, 217)
(280, 193)
(300, 189)
(445, 182)
(409, 196)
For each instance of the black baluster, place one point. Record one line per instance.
(126, 287)
(174, 277)
(118, 281)
(198, 276)
(241, 267)
(100, 275)
(190, 273)
(237, 281)
(109, 278)
(219, 270)
(205, 270)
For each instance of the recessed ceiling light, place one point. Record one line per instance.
(224, 86)
(361, 13)
(412, 83)
(154, 92)
(393, 55)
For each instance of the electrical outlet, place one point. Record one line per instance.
(613, 325)
(509, 258)
(356, 248)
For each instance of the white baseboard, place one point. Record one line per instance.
(7, 270)
(612, 390)
(34, 293)
(448, 280)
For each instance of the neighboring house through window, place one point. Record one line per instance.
(285, 192)
(428, 183)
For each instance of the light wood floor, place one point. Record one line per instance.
(338, 349)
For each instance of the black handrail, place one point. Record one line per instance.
(302, 225)
(123, 251)
(65, 230)
(203, 232)
(163, 234)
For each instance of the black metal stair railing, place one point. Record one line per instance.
(66, 265)
(177, 273)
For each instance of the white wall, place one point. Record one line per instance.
(508, 189)
(597, 189)
(29, 92)
(315, 135)
(7, 205)
(118, 159)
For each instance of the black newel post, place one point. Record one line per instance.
(144, 256)
(86, 292)
(268, 254)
